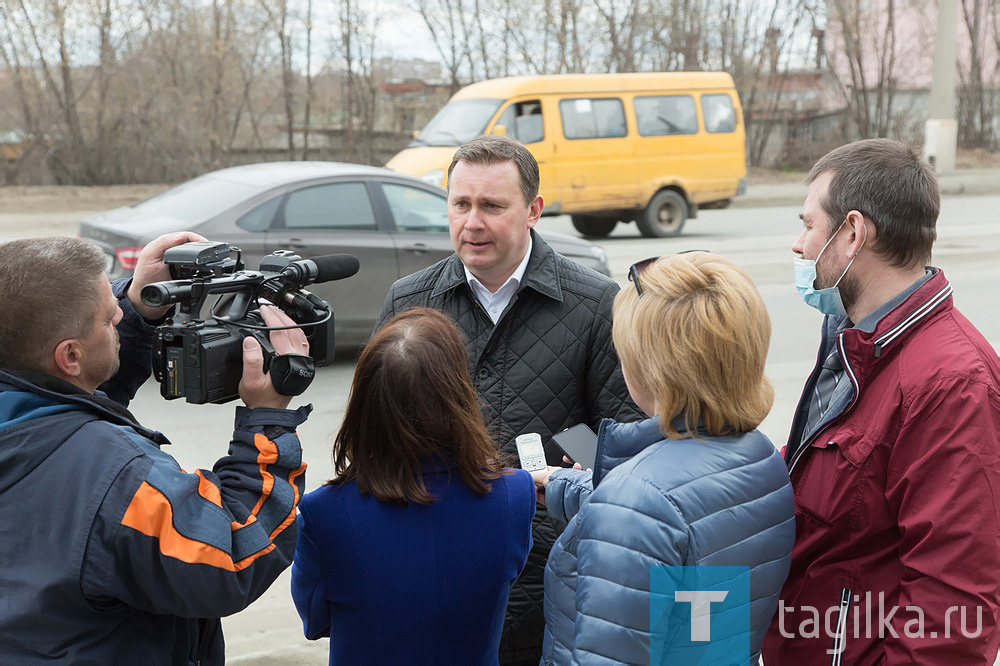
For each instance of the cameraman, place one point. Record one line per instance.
(111, 554)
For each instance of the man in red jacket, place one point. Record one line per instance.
(894, 451)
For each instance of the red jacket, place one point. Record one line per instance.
(899, 496)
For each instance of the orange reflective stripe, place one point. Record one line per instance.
(150, 513)
(244, 563)
(265, 490)
(211, 492)
(268, 450)
(291, 516)
(267, 453)
(208, 490)
(250, 519)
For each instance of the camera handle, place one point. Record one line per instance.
(242, 287)
(291, 374)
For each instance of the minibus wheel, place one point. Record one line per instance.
(594, 227)
(664, 216)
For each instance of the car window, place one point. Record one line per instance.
(666, 114)
(259, 219)
(333, 206)
(592, 118)
(415, 209)
(720, 116)
(523, 121)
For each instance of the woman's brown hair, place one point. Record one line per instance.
(413, 403)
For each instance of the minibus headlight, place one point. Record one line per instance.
(433, 177)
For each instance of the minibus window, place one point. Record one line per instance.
(523, 121)
(599, 118)
(719, 114)
(457, 123)
(669, 114)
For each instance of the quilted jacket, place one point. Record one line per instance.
(548, 364)
(714, 501)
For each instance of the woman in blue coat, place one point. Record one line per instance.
(407, 556)
(692, 499)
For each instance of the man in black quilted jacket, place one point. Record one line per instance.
(538, 328)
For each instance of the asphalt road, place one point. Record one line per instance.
(758, 239)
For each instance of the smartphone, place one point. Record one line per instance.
(530, 451)
(579, 443)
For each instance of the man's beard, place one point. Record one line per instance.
(849, 291)
(113, 370)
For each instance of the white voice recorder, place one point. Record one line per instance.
(530, 451)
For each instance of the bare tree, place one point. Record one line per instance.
(307, 114)
(623, 20)
(977, 100)
(362, 79)
(871, 59)
(280, 21)
(447, 22)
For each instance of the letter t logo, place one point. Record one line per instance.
(701, 608)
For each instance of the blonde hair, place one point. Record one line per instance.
(696, 341)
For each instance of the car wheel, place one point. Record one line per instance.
(664, 216)
(594, 227)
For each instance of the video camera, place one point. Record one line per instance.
(200, 359)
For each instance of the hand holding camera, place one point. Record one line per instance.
(151, 268)
(256, 387)
(200, 352)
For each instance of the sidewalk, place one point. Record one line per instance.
(963, 182)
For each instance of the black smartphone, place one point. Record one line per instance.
(579, 443)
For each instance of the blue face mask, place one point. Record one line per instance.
(827, 301)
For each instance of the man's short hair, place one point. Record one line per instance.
(696, 341)
(488, 149)
(47, 294)
(888, 183)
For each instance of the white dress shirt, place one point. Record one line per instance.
(496, 302)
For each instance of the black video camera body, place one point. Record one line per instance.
(201, 359)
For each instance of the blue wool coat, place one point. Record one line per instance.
(415, 584)
(714, 501)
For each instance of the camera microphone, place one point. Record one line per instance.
(324, 268)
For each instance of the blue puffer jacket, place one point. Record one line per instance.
(714, 501)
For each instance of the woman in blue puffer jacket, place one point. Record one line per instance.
(680, 539)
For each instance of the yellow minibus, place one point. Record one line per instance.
(644, 148)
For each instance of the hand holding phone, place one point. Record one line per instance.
(579, 443)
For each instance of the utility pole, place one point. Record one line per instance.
(941, 131)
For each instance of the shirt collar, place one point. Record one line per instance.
(517, 276)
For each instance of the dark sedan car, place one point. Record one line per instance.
(392, 223)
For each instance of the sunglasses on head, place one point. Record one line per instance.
(640, 266)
